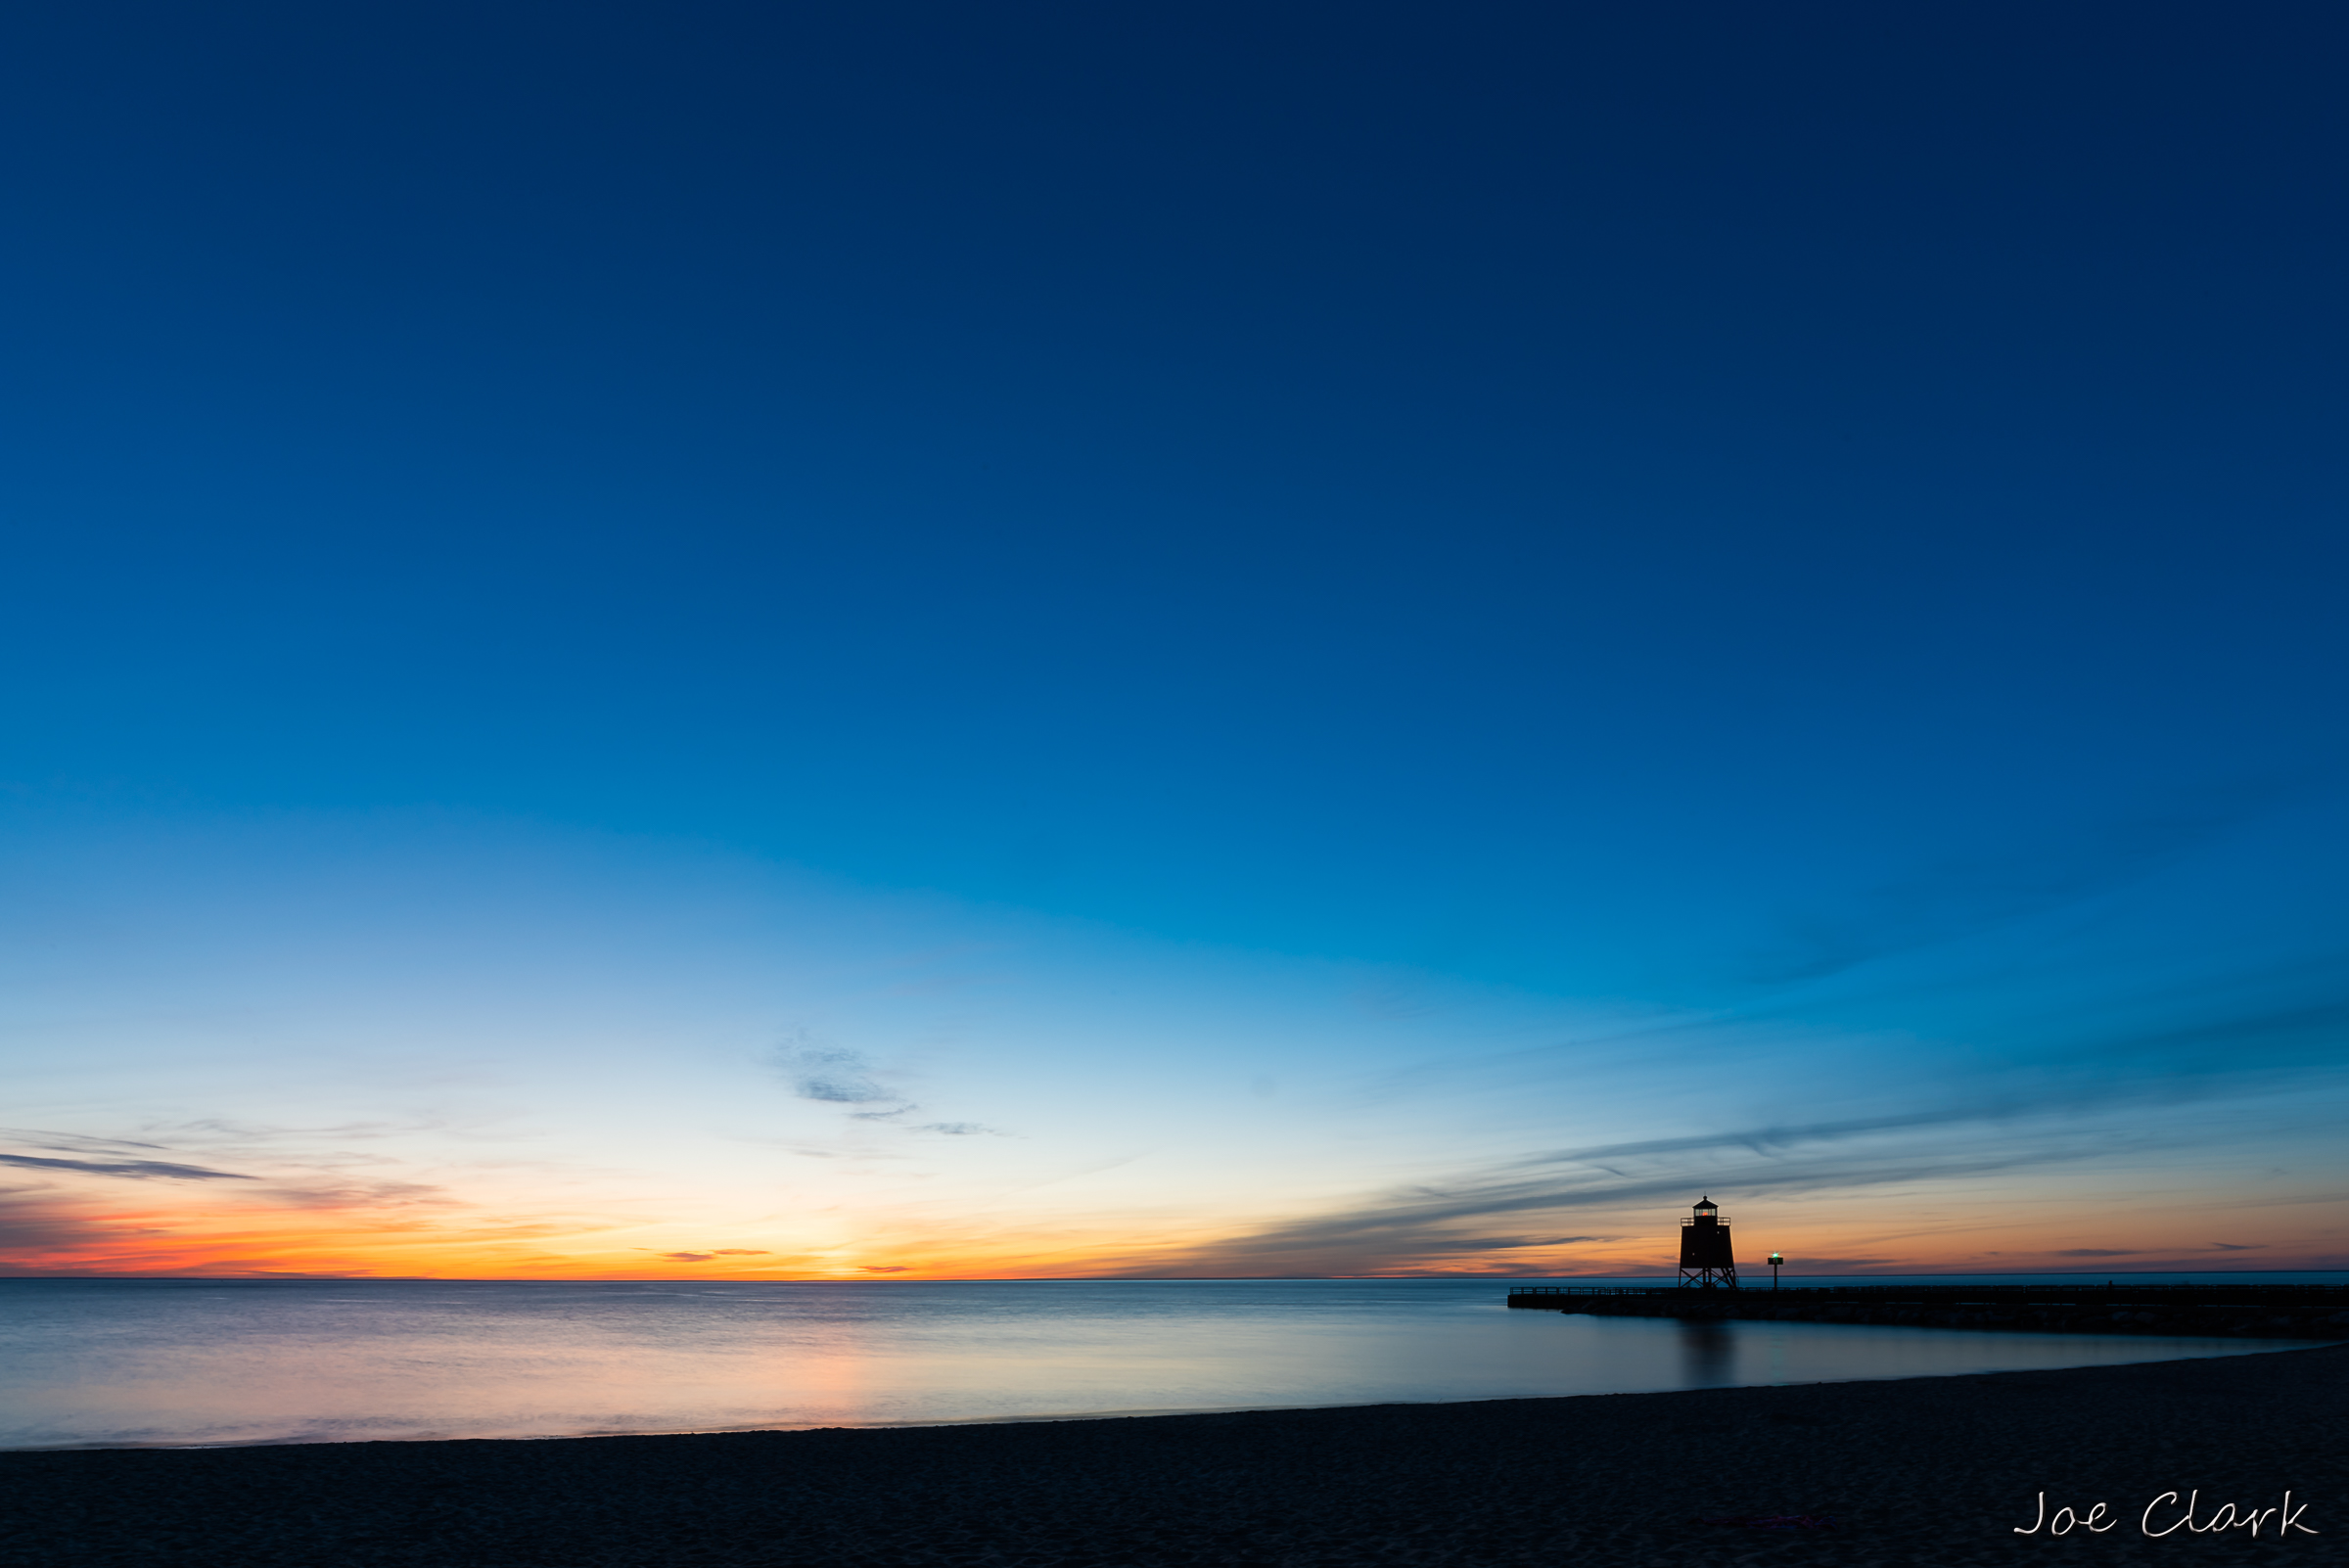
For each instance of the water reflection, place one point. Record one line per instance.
(115, 1361)
(1708, 1353)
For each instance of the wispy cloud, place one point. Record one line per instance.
(1435, 1219)
(359, 1195)
(133, 1169)
(32, 1227)
(1500, 1243)
(833, 1075)
(1959, 896)
(838, 1077)
(2108, 1093)
(2256, 1035)
(69, 1142)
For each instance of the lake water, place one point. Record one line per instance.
(116, 1363)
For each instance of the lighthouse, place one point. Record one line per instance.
(1704, 1260)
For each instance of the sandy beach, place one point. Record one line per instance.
(1926, 1471)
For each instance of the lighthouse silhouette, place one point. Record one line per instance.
(1704, 1260)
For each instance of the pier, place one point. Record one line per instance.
(2251, 1312)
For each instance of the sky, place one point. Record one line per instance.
(909, 640)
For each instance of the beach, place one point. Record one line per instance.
(1925, 1471)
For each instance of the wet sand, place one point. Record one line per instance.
(1924, 1471)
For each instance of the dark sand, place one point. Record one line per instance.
(1926, 1471)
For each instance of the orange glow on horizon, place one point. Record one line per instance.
(156, 1238)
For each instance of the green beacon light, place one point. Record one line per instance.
(1775, 1259)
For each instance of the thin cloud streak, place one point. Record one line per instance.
(76, 1142)
(1962, 897)
(1942, 1145)
(133, 1169)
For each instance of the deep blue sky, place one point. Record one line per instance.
(1667, 505)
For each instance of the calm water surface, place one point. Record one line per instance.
(106, 1362)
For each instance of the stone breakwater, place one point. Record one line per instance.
(2263, 1320)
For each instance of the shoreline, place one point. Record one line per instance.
(1938, 1470)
